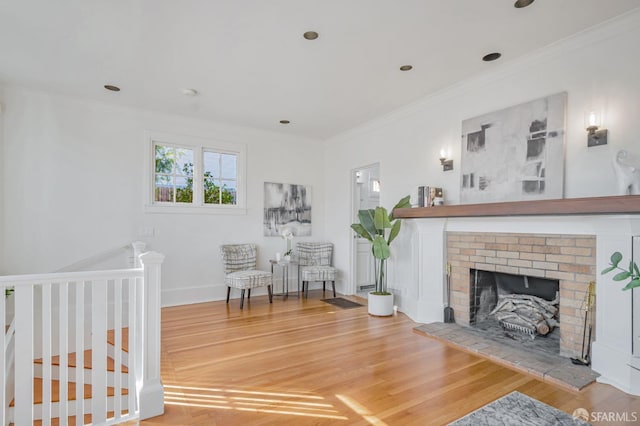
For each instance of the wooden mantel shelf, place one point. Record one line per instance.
(623, 204)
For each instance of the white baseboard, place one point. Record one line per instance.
(210, 293)
(613, 365)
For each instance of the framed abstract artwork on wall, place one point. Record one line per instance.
(287, 206)
(514, 154)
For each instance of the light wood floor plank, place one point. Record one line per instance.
(304, 362)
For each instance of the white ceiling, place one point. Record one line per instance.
(250, 64)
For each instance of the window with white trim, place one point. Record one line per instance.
(189, 173)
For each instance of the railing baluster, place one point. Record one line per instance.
(99, 351)
(3, 361)
(63, 349)
(131, 346)
(117, 348)
(24, 362)
(46, 353)
(80, 352)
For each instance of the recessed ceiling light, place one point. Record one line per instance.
(112, 87)
(491, 56)
(310, 35)
(522, 3)
(284, 122)
(406, 68)
(189, 92)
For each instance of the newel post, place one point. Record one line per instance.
(138, 249)
(151, 392)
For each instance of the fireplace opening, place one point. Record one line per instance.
(516, 308)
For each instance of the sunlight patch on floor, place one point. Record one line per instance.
(289, 403)
(361, 410)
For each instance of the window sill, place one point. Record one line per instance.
(213, 210)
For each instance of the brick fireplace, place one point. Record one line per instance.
(571, 259)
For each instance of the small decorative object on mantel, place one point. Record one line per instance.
(429, 196)
(436, 197)
(627, 168)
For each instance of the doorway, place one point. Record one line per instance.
(365, 184)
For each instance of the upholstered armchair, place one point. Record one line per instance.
(314, 261)
(240, 271)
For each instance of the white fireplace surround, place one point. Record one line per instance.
(419, 259)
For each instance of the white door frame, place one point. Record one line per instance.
(353, 285)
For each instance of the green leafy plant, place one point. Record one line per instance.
(380, 228)
(632, 273)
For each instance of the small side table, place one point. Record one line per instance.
(285, 275)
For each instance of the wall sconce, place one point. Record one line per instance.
(447, 163)
(595, 135)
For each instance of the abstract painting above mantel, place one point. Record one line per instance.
(287, 206)
(514, 154)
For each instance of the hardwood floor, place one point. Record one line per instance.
(305, 362)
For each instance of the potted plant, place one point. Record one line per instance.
(380, 228)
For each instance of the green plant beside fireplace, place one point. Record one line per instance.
(380, 228)
(632, 273)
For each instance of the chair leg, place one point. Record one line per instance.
(249, 294)
(270, 294)
(324, 283)
(333, 284)
(242, 298)
(228, 293)
(306, 292)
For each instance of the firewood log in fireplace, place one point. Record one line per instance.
(531, 314)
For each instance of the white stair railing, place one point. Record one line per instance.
(60, 314)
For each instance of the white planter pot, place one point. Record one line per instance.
(380, 305)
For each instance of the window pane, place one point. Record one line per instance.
(184, 162)
(184, 190)
(211, 192)
(164, 159)
(211, 164)
(229, 192)
(163, 189)
(228, 166)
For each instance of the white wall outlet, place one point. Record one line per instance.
(146, 232)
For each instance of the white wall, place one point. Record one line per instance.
(2, 183)
(597, 68)
(73, 180)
